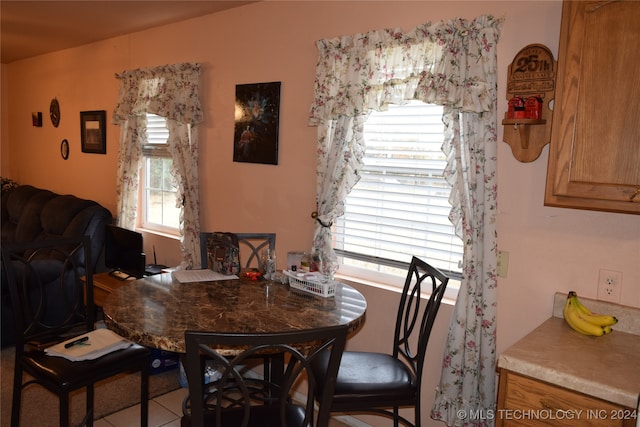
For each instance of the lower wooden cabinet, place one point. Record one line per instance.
(524, 402)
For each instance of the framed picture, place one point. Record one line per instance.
(257, 117)
(36, 119)
(93, 131)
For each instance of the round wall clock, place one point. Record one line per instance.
(54, 112)
(64, 149)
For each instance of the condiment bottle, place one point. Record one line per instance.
(305, 262)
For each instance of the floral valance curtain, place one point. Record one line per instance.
(170, 91)
(449, 63)
(436, 63)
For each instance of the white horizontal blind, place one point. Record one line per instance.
(400, 207)
(157, 133)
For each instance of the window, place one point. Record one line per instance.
(158, 201)
(400, 207)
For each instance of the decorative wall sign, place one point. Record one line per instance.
(54, 112)
(93, 131)
(530, 92)
(257, 116)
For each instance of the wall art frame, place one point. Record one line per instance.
(64, 149)
(93, 131)
(257, 121)
(36, 119)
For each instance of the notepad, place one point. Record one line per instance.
(204, 275)
(100, 342)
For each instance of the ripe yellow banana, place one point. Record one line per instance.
(577, 321)
(596, 319)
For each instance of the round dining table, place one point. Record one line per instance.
(155, 311)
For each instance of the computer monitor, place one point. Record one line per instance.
(123, 251)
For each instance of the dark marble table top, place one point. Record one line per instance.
(156, 311)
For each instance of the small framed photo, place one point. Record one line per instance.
(93, 131)
(36, 119)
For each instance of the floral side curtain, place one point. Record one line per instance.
(170, 91)
(449, 63)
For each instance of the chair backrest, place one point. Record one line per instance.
(235, 398)
(413, 329)
(251, 246)
(51, 288)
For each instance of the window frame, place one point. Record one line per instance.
(387, 279)
(153, 150)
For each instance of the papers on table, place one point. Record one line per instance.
(89, 346)
(205, 275)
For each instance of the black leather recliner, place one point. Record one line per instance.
(30, 214)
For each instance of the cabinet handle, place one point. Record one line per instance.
(633, 196)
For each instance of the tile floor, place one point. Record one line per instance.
(164, 411)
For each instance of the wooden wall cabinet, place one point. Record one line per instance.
(594, 154)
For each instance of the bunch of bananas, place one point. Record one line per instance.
(584, 321)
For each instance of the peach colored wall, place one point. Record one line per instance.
(550, 249)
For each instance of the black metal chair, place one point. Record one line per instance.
(381, 383)
(254, 244)
(236, 400)
(56, 269)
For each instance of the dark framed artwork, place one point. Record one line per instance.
(257, 117)
(36, 119)
(93, 131)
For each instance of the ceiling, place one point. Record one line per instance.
(34, 27)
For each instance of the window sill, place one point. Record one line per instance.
(450, 296)
(158, 233)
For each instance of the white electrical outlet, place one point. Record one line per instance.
(609, 285)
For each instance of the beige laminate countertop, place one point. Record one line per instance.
(606, 367)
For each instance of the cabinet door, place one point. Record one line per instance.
(594, 154)
(526, 402)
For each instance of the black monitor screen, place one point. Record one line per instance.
(123, 251)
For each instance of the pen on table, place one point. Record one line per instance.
(76, 342)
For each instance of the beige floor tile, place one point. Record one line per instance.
(130, 417)
(173, 400)
(337, 423)
(174, 423)
(102, 423)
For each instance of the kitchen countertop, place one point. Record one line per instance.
(606, 367)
